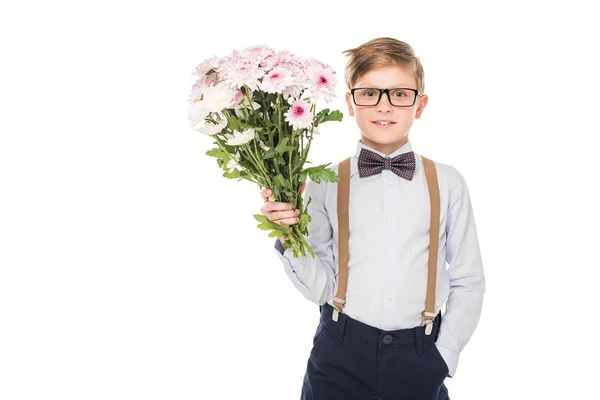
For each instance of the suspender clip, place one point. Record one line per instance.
(428, 326)
(336, 309)
(336, 312)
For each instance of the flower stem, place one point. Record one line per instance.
(303, 240)
(255, 162)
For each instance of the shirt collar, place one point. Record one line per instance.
(406, 147)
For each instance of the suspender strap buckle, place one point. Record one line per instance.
(341, 301)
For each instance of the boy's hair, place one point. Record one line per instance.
(381, 52)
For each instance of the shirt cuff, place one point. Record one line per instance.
(279, 246)
(450, 357)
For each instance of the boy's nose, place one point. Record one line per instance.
(384, 104)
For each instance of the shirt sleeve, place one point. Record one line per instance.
(315, 277)
(465, 272)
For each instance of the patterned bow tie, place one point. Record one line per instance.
(371, 163)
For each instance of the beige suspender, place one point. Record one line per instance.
(343, 200)
(434, 229)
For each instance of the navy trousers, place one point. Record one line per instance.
(351, 360)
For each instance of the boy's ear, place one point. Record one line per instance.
(349, 103)
(422, 103)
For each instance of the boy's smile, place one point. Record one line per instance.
(384, 123)
(385, 127)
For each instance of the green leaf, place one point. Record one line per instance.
(233, 174)
(277, 234)
(265, 223)
(269, 154)
(275, 117)
(302, 176)
(334, 116)
(283, 146)
(246, 165)
(217, 152)
(280, 161)
(282, 143)
(320, 172)
(304, 220)
(280, 181)
(325, 115)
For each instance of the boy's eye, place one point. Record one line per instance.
(399, 93)
(367, 93)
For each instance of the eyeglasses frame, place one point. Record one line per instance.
(386, 91)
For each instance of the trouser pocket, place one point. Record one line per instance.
(439, 357)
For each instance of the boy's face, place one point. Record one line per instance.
(386, 137)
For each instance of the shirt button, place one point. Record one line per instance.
(390, 259)
(390, 220)
(387, 339)
(388, 297)
(389, 183)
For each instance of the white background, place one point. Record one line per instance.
(131, 269)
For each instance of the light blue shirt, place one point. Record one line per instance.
(389, 252)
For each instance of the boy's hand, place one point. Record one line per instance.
(278, 212)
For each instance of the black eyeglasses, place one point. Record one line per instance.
(398, 97)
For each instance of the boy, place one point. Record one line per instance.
(380, 263)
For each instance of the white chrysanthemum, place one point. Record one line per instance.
(235, 159)
(212, 129)
(261, 144)
(216, 98)
(196, 115)
(239, 138)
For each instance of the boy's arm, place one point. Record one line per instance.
(465, 271)
(314, 277)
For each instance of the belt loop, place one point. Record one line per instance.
(419, 340)
(342, 326)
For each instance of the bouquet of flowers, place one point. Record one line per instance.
(259, 106)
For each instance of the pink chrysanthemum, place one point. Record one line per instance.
(277, 80)
(256, 54)
(206, 65)
(296, 81)
(237, 98)
(238, 71)
(277, 58)
(321, 82)
(299, 115)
